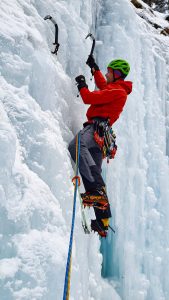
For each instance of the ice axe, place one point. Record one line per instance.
(93, 45)
(48, 17)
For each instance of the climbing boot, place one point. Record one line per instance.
(98, 226)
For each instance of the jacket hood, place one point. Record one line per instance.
(127, 85)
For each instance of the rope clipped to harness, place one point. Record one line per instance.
(66, 291)
(105, 138)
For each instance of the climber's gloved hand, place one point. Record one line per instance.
(92, 64)
(81, 82)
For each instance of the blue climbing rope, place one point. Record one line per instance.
(66, 291)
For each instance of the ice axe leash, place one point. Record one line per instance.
(56, 44)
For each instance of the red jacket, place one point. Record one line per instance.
(109, 101)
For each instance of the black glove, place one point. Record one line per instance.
(81, 82)
(91, 63)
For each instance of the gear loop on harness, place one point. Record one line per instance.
(105, 137)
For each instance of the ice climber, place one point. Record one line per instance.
(106, 105)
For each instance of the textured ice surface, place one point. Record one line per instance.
(40, 113)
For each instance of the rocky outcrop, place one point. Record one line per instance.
(147, 13)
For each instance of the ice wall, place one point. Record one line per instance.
(136, 257)
(39, 114)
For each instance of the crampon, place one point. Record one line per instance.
(97, 226)
(96, 199)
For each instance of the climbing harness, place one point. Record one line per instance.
(56, 44)
(76, 182)
(105, 138)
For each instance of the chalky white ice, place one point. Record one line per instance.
(39, 115)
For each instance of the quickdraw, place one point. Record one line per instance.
(74, 180)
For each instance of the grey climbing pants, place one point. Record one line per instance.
(90, 159)
(90, 163)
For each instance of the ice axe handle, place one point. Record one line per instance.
(93, 44)
(48, 17)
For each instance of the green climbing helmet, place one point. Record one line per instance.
(120, 64)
